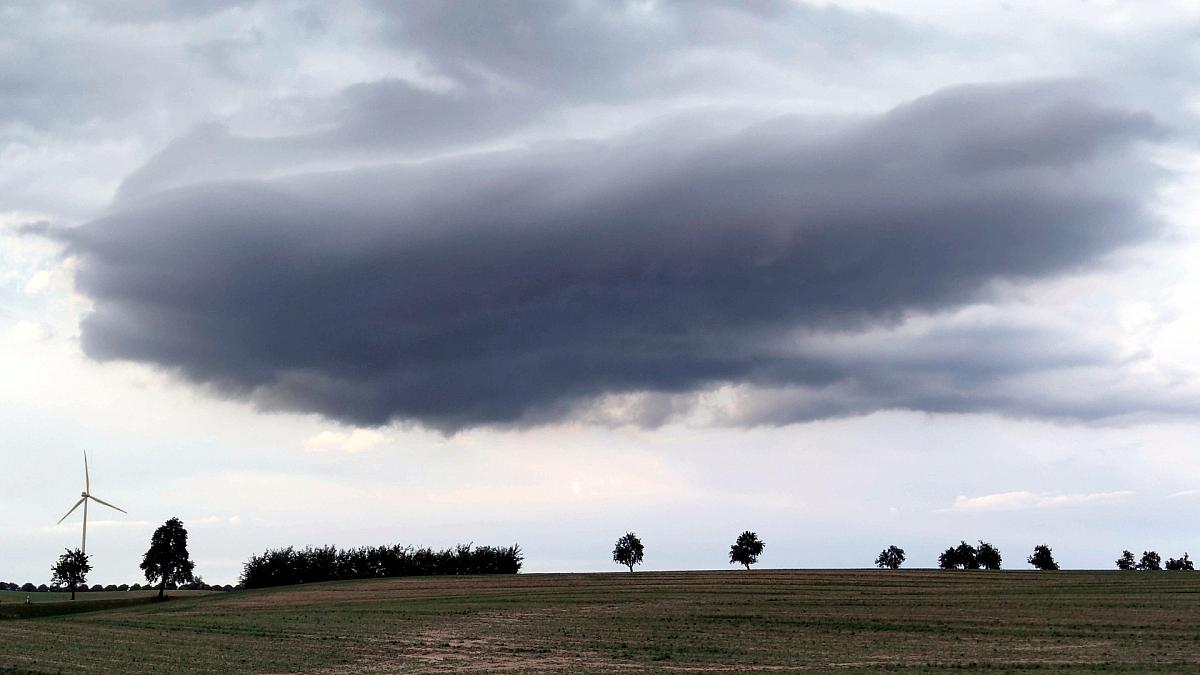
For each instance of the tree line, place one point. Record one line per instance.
(630, 551)
(198, 585)
(285, 566)
(964, 556)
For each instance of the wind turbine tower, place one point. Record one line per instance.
(83, 499)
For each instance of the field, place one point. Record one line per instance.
(765, 620)
(10, 597)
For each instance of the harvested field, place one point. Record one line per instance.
(18, 597)
(768, 621)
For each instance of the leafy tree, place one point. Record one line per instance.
(1042, 558)
(890, 558)
(1126, 561)
(988, 556)
(964, 556)
(968, 557)
(1151, 561)
(167, 561)
(746, 549)
(1180, 564)
(71, 570)
(30, 588)
(628, 551)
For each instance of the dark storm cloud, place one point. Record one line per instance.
(511, 287)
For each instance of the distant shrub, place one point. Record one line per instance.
(286, 566)
(1151, 561)
(890, 558)
(1126, 561)
(1180, 564)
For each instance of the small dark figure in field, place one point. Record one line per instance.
(1126, 561)
(167, 560)
(71, 570)
(746, 549)
(628, 551)
(1183, 564)
(1151, 561)
(1042, 558)
(890, 558)
(987, 556)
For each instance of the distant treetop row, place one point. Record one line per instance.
(630, 551)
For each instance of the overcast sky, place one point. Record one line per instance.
(847, 274)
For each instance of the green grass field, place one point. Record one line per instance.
(777, 621)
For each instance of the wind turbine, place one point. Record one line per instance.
(83, 499)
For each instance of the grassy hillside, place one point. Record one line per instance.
(849, 621)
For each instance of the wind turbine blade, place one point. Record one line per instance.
(97, 499)
(87, 479)
(71, 511)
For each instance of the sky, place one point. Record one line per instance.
(847, 274)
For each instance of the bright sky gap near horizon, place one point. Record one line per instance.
(847, 274)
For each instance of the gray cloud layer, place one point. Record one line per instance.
(511, 287)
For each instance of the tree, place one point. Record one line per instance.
(964, 556)
(746, 549)
(167, 561)
(1042, 558)
(987, 556)
(1126, 561)
(628, 551)
(1180, 564)
(71, 570)
(890, 558)
(1151, 561)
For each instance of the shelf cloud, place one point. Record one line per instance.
(513, 287)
